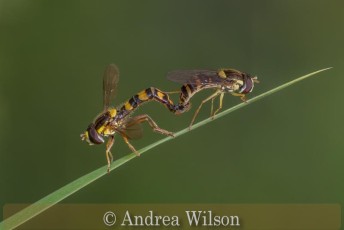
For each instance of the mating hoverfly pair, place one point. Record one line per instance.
(118, 120)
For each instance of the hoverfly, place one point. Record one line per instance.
(118, 120)
(223, 81)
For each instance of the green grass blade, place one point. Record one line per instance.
(62, 193)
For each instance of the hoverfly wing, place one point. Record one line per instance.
(194, 76)
(110, 82)
(133, 130)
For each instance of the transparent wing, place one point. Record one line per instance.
(194, 76)
(110, 82)
(132, 130)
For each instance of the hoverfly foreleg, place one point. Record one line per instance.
(155, 127)
(214, 95)
(109, 157)
(241, 95)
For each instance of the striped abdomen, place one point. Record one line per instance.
(187, 91)
(145, 96)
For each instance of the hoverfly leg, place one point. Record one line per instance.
(220, 105)
(109, 156)
(155, 127)
(243, 98)
(212, 106)
(241, 95)
(173, 92)
(130, 146)
(200, 106)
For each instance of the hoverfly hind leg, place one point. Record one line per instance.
(153, 125)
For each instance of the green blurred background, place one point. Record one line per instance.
(287, 148)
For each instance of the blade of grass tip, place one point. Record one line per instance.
(62, 193)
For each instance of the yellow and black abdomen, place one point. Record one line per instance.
(186, 93)
(150, 94)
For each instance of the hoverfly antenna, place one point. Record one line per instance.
(83, 136)
(255, 79)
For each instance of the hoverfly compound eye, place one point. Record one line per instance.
(93, 136)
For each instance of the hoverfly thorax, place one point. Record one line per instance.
(233, 80)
